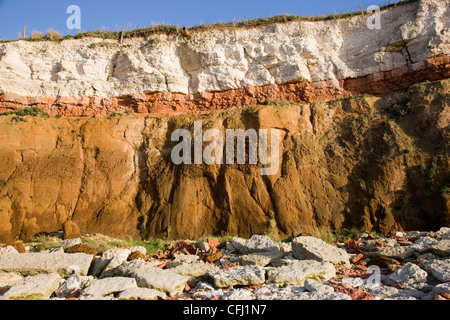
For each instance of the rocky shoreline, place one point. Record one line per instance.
(408, 266)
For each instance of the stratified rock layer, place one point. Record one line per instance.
(366, 162)
(302, 61)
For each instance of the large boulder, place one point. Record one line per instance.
(103, 287)
(161, 280)
(237, 276)
(397, 252)
(317, 249)
(297, 273)
(36, 263)
(440, 269)
(38, 287)
(407, 275)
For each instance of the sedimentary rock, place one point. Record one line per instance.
(317, 249)
(162, 280)
(210, 70)
(38, 287)
(141, 294)
(107, 286)
(248, 275)
(36, 263)
(298, 272)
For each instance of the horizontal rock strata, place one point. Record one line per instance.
(302, 61)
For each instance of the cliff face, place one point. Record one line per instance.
(302, 61)
(347, 159)
(364, 162)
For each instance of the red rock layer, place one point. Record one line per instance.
(432, 69)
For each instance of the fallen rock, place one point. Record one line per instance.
(70, 243)
(208, 295)
(204, 246)
(103, 287)
(382, 261)
(238, 294)
(73, 283)
(259, 243)
(185, 258)
(70, 230)
(131, 268)
(355, 282)
(36, 263)
(423, 243)
(297, 273)
(195, 269)
(114, 257)
(397, 252)
(136, 255)
(382, 291)
(141, 249)
(440, 269)
(445, 287)
(408, 274)
(236, 244)
(444, 233)
(319, 250)
(37, 287)
(240, 275)
(162, 280)
(214, 257)
(8, 250)
(81, 248)
(141, 294)
(442, 248)
(261, 259)
(312, 286)
(9, 279)
(315, 296)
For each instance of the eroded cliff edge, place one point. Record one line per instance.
(379, 163)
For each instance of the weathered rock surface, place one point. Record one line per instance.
(440, 269)
(261, 259)
(103, 287)
(407, 275)
(141, 294)
(162, 280)
(194, 269)
(313, 286)
(8, 279)
(36, 263)
(298, 272)
(248, 275)
(317, 249)
(212, 69)
(38, 287)
(259, 243)
(396, 252)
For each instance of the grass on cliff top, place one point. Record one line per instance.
(175, 30)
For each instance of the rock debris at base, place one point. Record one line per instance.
(408, 266)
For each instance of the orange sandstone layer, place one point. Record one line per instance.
(379, 83)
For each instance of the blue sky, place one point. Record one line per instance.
(40, 15)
